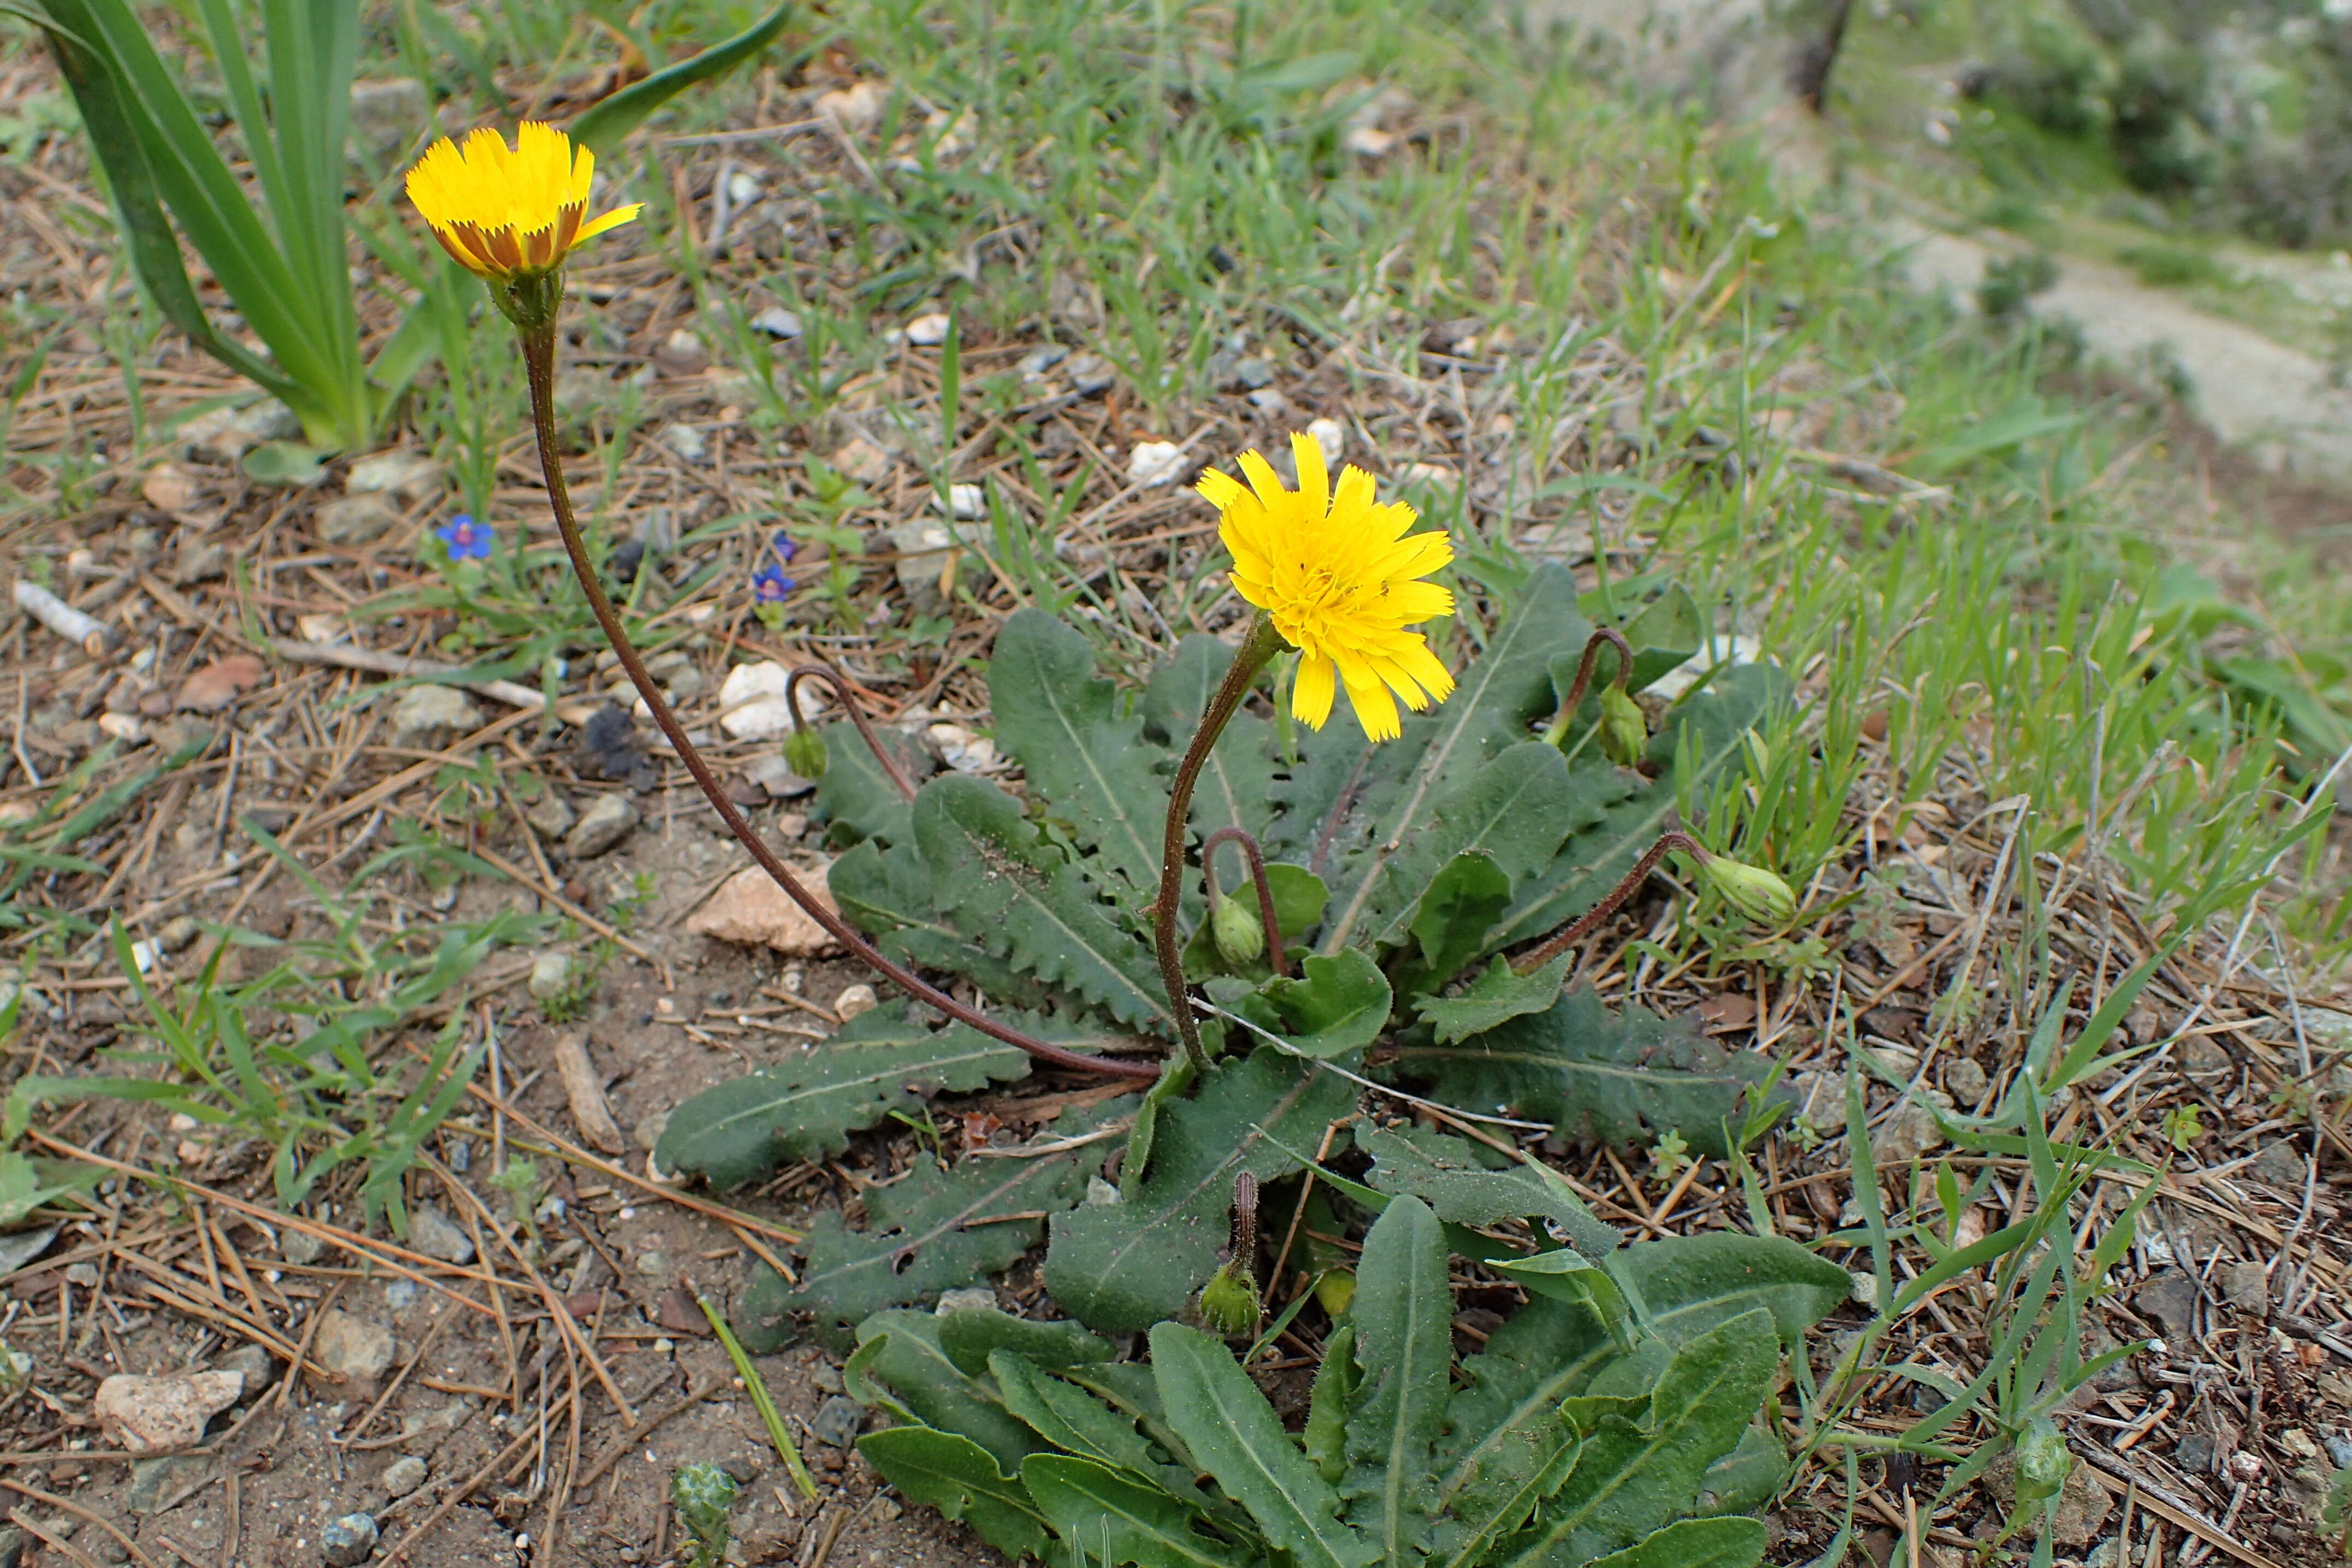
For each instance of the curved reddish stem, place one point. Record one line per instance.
(1584, 925)
(817, 669)
(1605, 636)
(1256, 858)
(539, 360)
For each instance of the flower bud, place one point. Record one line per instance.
(2043, 1462)
(1240, 934)
(1229, 1304)
(805, 753)
(1756, 892)
(1624, 733)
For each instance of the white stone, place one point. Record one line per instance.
(750, 908)
(1367, 140)
(1740, 650)
(1155, 462)
(742, 189)
(927, 332)
(857, 107)
(402, 472)
(144, 1415)
(751, 704)
(855, 999)
(1331, 436)
(964, 502)
(551, 975)
(962, 750)
(608, 822)
(778, 323)
(430, 717)
(687, 441)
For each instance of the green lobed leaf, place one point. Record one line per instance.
(1695, 1543)
(887, 893)
(899, 1365)
(1493, 999)
(1336, 1005)
(1403, 1316)
(1068, 1417)
(1634, 1478)
(879, 1062)
(1085, 757)
(929, 1230)
(1110, 1518)
(1618, 1077)
(1236, 784)
(1016, 896)
(1700, 736)
(1450, 919)
(613, 117)
(1504, 1489)
(1380, 801)
(958, 1478)
(1233, 1434)
(1446, 1173)
(857, 797)
(1120, 1268)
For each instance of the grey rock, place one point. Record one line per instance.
(608, 822)
(199, 562)
(1090, 374)
(685, 441)
(428, 718)
(551, 975)
(401, 1295)
(250, 1362)
(400, 471)
(433, 1234)
(837, 1420)
(1912, 1130)
(923, 567)
(354, 520)
(778, 323)
(179, 932)
(776, 776)
(300, 1246)
(347, 1541)
(1966, 1081)
(23, 1245)
(13, 1543)
(652, 1265)
(1038, 361)
(2339, 1449)
(2245, 1286)
(403, 1475)
(150, 1481)
(2279, 1163)
(826, 1377)
(2196, 1453)
(550, 816)
(971, 1297)
(2170, 1296)
(352, 1351)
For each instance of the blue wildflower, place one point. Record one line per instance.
(467, 539)
(771, 583)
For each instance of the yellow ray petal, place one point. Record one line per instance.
(1310, 697)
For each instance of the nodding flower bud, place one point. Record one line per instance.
(1239, 933)
(1756, 892)
(1229, 1304)
(1624, 733)
(805, 753)
(2043, 1462)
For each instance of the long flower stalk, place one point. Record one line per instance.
(538, 339)
(1261, 645)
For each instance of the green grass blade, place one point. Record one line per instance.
(601, 129)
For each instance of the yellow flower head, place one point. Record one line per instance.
(509, 211)
(1335, 572)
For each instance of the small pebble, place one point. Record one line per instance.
(403, 1475)
(927, 332)
(347, 1542)
(855, 999)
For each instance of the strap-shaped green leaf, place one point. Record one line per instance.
(601, 129)
(741, 1129)
(958, 1478)
(1511, 1479)
(1403, 1316)
(1495, 699)
(900, 1366)
(1237, 785)
(1617, 1077)
(970, 1335)
(1084, 755)
(1696, 1543)
(1233, 1434)
(1109, 1516)
(1120, 1268)
(1020, 899)
(1634, 1478)
(1068, 1417)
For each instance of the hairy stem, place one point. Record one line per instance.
(818, 670)
(1603, 637)
(1260, 645)
(539, 360)
(1586, 925)
(1275, 956)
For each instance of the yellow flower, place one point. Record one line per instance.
(1336, 572)
(509, 211)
